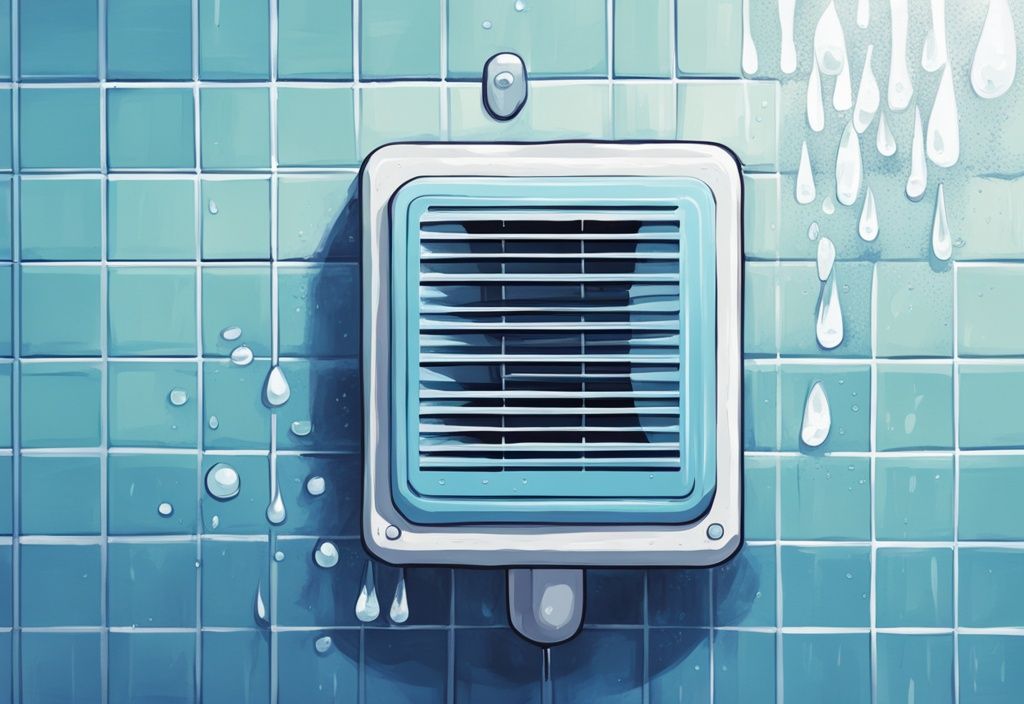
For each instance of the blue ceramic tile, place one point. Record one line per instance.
(234, 40)
(314, 39)
(991, 669)
(914, 408)
(387, 656)
(151, 219)
(6, 663)
(151, 40)
(496, 666)
(327, 393)
(6, 311)
(848, 388)
(744, 667)
(6, 134)
(990, 407)
(989, 323)
(70, 232)
(696, 54)
(6, 405)
(989, 487)
(308, 677)
(247, 512)
(142, 412)
(316, 127)
(317, 217)
(150, 128)
(641, 37)
(826, 586)
(318, 311)
(5, 45)
(58, 40)
(399, 40)
(679, 597)
(61, 667)
(6, 219)
(761, 227)
(914, 498)
(337, 510)
(745, 588)
(59, 128)
(759, 498)
(134, 329)
(138, 484)
(7, 495)
(601, 666)
(744, 116)
(614, 597)
(914, 587)
(232, 574)
(236, 667)
(60, 405)
(918, 667)
(760, 407)
(236, 219)
(644, 110)
(236, 297)
(398, 114)
(987, 580)
(680, 660)
(915, 310)
(60, 311)
(309, 595)
(235, 128)
(760, 326)
(432, 587)
(234, 396)
(60, 585)
(152, 585)
(60, 495)
(825, 498)
(480, 597)
(832, 667)
(799, 294)
(144, 663)
(6, 586)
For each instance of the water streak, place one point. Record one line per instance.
(842, 93)
(849, 168)
(367, 606)
(885, 142)
(942, 240)
(995, 60)
(749, 59)
(917, 181)
(787, 52)
(276, 391)
(868, 226)
(399, 611)
(276, 513)
(815, 106)
(829, 326)
(805, 191)
(826, 258)
(863, 13)
(817, 419)
(260, 607)
(943, 140)
(901, 89)
(829, 42)
(933, 54)
(868, 95)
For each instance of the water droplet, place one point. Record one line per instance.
(399, 611)
(817, 420)
(829, 326)
(829, 42)
(813, 231)
(787, 49)
(301, 428)
(749, 59)
(863, 13)
(995, 59)
(815, 106)
(933, 54)
(323, 644)
(222, 482)
(367, 606)
(241, 356)
(215, 522)
(842, 93)
(943, 142)
(178, 397)
(519, 6)
(884, 141)
(165, 509)
(315, 485)
(805, 191)
(276, 391)
(231, 334)
(827, 205)
(486, 24)
(918, 179)
(278, 556)
(942, 242)
(826, 258)
(326, 555)
(213, 207)
(276, 513)
(900, 87)
(868, 96)
(868, 226)
(214, 423)
(260, 607)
(849, 171)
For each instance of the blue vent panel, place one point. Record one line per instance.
(553, 350)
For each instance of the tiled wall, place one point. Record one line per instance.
(178, 167)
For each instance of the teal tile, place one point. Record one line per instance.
(6, 311)
(848, 389)
(138, 484)
(749, 653)
(6, 130)
(738, 114)
(760, 407)
(231, 572)
(60, 495)
(316, 127)
(679, 597)
(236, 296)
(236, 667)
(914, 498)
(60, 585)
(644, 110)
(604, 666)
(800, 293)
(5, 39)
(61, 667)
(6, 495)
(149, 40)
(152, 662)
(134, 329)
(825, 498)
(989, 491)
(234, 395)
(827, 586)
(314, 39)
(338, 511)
(680, 658)
(914, 407)
(318, 311)
(915, 310)
(247, 512)
(561, 111)
(235, 128)
(759, 475)
(58, 40)
(991, 218)
(311, 596)
(147, 407)
(991, 669)
(236, 219)
(918, 667)
(697, 21)
(6, 219)
(744, 588)
(761, 217)
(832, 667)
(607, 592)
(6, 404)
(399, 39)
(151, 219)
(991, 415)
(988, 594)
(60, 404)
(398, 114)
(60, 311)
(563, 39)
(914, 588)
(70, 232)
(327, 394)
(642, 48)
(990, 322)
(760, 326)
(152, 585)
(317, 217)
(59, 128)
(150, 128)
(234, 40)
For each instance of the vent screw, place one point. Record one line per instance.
(716, 531)
(394, 532)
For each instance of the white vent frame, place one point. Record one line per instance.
(386, 532)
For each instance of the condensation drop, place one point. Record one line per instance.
(826, 258)
(486, 24)
(214, 422)
(942, 241)
(827, 205)
(863, 13)
(222, 482)
(278, 556)
(260, 607)
(315, 485)
(399, 612)
(165, 509)
(326, 555)
(849, 169)
(212, 206)
(231, 334)
(178, 397)
(813, 231)
(276, 513)
(787, 49)
(867, 228)
(749, 59)
(917, 181)
(301, 428)
(829, 42)
(885, 142)
(868, 96)
(215, 522)
(900, 87)
(817, 420)
(241, 356)
(323, 644)
(815, 106)
(943, 139)
(276, 391)
(995, 59)
(829, 325)
(933, 54)
(367, 606)
(519, 5)
(842, 94)
(805, 191)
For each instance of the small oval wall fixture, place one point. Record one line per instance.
(504, 86)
